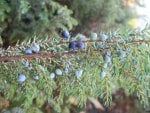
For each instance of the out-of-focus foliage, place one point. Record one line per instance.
(98, 15)
(21, 19)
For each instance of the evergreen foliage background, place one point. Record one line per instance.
(20, 19)
(99, 15)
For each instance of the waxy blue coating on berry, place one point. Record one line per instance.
(27, 51)
(103, 36)
(114, 33)
(105, 65)
(102, 74)
(66, 34)
(107, 59)
(122, 54)
(80, 45)
(35, 48)
(78, 73)
(108, 53)
(58, 71)
(72, 45)
(36, 77)
(21, 78)
(93, 36)
(52, 75)
(66, 70)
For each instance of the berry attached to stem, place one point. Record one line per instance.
(93, 36)
(21, 78)
(58, 71)
(72, 45)
(103, 37)
(80, 45)
(78, 73)
(27, 51)
(102, 74)
(52, 75)
(35, 48)
(65, 34)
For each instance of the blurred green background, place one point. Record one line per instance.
(21, 19)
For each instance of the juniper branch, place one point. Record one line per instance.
(54, 54)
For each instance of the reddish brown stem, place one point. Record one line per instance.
(110, 41)
(32, 56)
(50, 55)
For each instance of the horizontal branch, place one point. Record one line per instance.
(54, 54)
(33, 56)
(111, 41)
(41, 55)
